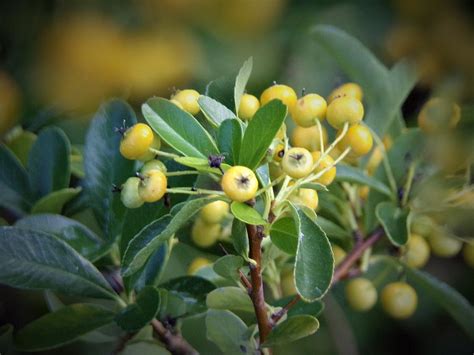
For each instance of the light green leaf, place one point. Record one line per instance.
(394, 222)
(62, 327)
(230, 298)
(284, 234)
(260, 133)
(178, 128)
(241, 81)
(246, 214)
(228, 266)
(20, 144)
(228, 332)
(38, 261)
(314, 265)
(292, 329)
(313, 308)
(354, 175)
(229, 139)
(240, 239)
(333, 231)
(222, 90)
(55, 201)
(214, 111)
(156, 233)
(314, 186)
(200, 164)
(104, 165)
(48, 163)
(140, 313)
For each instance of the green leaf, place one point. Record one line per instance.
(228, 266)
(246, 214)
(260, 133)
(139, 314)
(241, 81)
(314, 186)
(55, 201)
(77, 235)
(214, 111)
(62, 327)
(222, 90)
(6, 334)
(240, 239)
(230, 298)
(354, 175)
(447, 297)
(38, 261)
(284, 234)
(394, 222)
(229, 140)
(14, 183)
(313, 309)
(314, 264)
(292, 329)
(145, 347)
(156, 233)
(200, 164)
(48, 163)
(228, 332)
(21, 144)
(333, 231)
(178, 128)
(104, 166)
(403, 78)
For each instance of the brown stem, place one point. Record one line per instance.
(257, 296)
(174, 343)
(122, 343)
(243, 279)
(343, 270)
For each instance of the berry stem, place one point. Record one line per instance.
(181, 173)
(409, 182)
(192, 191)
(163, 154)
(321, 140)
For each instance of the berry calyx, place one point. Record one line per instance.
(239, 183)
(297, 163)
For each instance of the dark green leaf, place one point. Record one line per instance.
(228, 332)
(14, 183)
(292, 329)
(21, 144)
(230, 298)
(139, 314)
(260, 133)
(334, 232)
(314, 265)
(240, 239)
(39, 261)
(229, 139)
(6, 334)
(313, 309)
(178, 128)
(228, 266)
(222, 90)
(48, 162)
(144, 244)
(77, 235)
(104, 165)
(215, 112)
(241, 81)
(145, 347)
(354, 175)
(55, 201)
(394, 222)
(284, 234)
(246, 214)
(62, 327)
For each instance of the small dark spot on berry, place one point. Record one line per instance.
(281, 153)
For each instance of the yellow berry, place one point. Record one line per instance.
(204, 234)
(305, 197)
(443, 245)
(283, 93)
(374, 160)
(364, 192)
(156, 144)
(136, 141)
(153, 186)
(347, 89)
(177, 103)
(308, 137)
(339, 254)
(196, 264)
(308, 109)
(129, 194)
(344, 109)
(214, 212)
(239, 183)
(279, 152)
(297, 163)
(417, 251)
(249, 104)
(360, 294)
(154, 164)
(189, 100)
(422, 225)
(328, 177)
(438, 114)
(360, 140)
(468, 254)
(399, 300)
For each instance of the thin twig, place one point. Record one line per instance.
(174, 343)
(243, 279)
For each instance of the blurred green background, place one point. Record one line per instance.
(60, 59)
